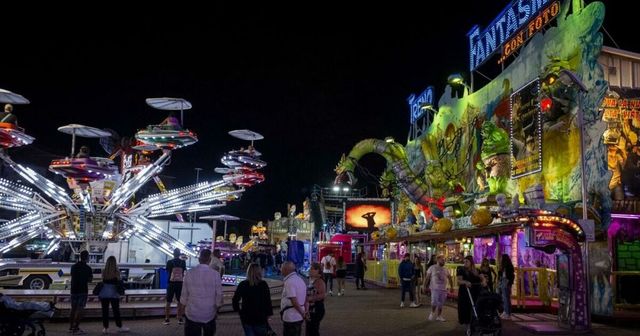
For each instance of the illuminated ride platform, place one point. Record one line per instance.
(13, 136)
(166, 137)
(84, 169)
(242, 158)
(242, 176)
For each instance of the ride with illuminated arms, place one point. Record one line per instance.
(100, 210)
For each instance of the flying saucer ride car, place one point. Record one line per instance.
(11, 135)
(241, 176)
(83, 168)
(169, 134)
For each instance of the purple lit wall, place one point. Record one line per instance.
(485, 247)
(531, 257)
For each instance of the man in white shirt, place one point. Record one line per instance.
(328, 270)
(217, 264)
(292, 304)
(436, 278)
(201, 297)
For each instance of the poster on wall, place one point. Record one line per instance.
(367, 214)
(526, 134)
(622, 116)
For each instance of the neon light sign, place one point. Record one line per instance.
(416, 104)
(483, 44)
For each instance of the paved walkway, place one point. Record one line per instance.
(366, 313)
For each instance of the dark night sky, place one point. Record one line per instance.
(314, 81)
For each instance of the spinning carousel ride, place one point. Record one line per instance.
(99, 210)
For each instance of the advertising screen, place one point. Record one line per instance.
(367, 215)
(526, 136)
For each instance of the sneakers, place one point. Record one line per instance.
(440, 318)
(331, 292)
(414, 305)
(106, 331)
(339, 294)
(431, 317)
(342, 291)
(402, 304)
(180, 321)
(166, 322)
(123, 329)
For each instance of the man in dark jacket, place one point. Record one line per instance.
(81, 276)
(405, 273)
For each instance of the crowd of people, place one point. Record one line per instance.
(198, 291)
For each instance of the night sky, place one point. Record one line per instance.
(314, 81)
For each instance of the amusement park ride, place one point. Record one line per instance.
(100, 209)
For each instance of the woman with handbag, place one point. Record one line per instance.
(110, 290)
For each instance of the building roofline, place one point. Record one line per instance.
(620, 52)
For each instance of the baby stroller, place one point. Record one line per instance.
(485, 319)
(15, 322)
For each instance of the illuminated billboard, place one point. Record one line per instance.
(526, 132)
(367, 214)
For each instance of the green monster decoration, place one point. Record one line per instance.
(414, 187)
(495, 159)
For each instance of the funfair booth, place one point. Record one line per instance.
(480, 161)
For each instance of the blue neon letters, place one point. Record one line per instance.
(509, 21)
(416, 103)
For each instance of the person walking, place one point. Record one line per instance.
(341, 274)
(175, 268)
(112, 288)
(405, 273)
(256, 302)
(328, 270)
(316, 292)
(417, 278)
(81, 276)
(436, 280)
(507, 276)
(292, 304)
(468, 278)
(361, 267)
(201, 297)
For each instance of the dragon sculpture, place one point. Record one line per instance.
(418, 190)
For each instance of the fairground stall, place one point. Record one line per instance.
(518, 166)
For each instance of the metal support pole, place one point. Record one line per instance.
(213, 242)
(585, 214)
(73, 142)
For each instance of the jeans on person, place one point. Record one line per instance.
(328, 279)
(115, 305)
(506, 297)
(255, 329)
(292, 328)
(192, 328)
(406, 287)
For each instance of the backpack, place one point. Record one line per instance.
(327, 263)
(177, 273)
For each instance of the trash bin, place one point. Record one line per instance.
(162, 277)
